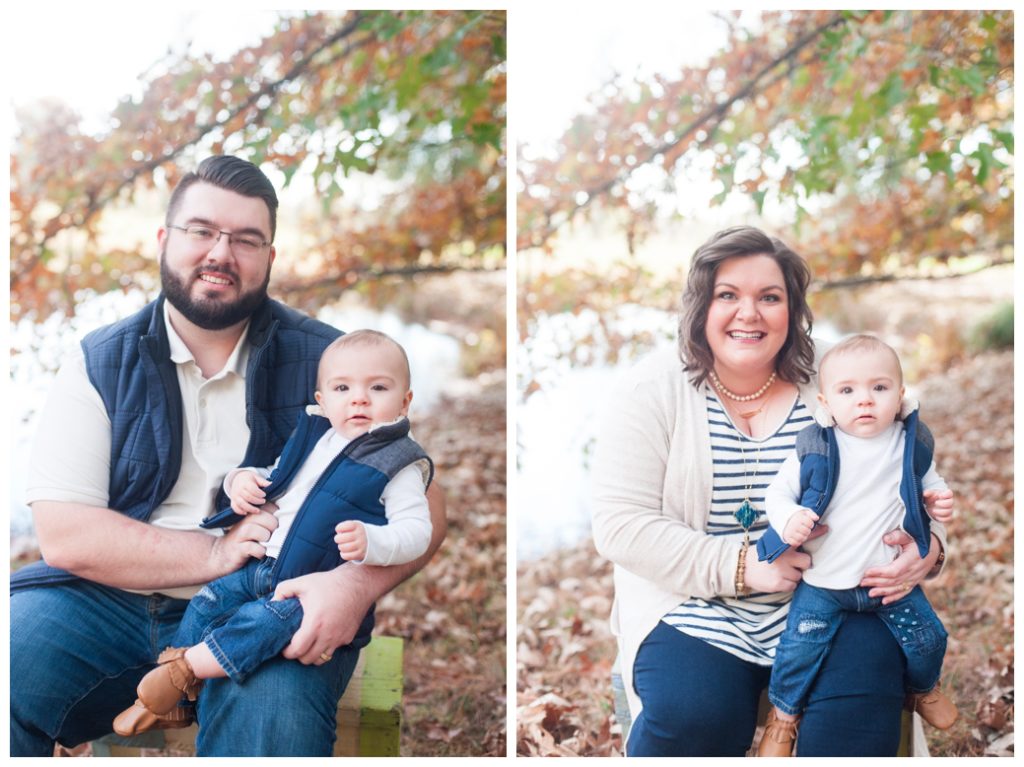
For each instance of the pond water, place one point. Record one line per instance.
(433, 357)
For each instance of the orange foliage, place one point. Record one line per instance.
(886, 107)
(416, 95)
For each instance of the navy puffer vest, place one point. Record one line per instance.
(129, 363)
(818, 452)
(349, 488)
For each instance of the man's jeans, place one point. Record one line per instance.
(78, 651)
(816, 614)
(236, 617)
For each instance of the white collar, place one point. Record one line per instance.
(181, 354)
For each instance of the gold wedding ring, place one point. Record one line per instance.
(906, 586)
(325, 657)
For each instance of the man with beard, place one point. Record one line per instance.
(138, 432)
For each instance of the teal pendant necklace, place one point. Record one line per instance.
(746, 514)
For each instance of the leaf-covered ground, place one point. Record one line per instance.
(565, 650)
(453, 614)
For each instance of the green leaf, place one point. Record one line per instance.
(890, 94)
(289, 172)
(1005, 138)
(972, 78)
(759, 196)
(986, 161)
(498, 46)
(939, 162)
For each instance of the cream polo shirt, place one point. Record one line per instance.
(70, 459)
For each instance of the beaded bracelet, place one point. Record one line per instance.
(741, 567)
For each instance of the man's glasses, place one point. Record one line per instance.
(207, 236)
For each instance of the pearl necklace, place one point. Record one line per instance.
(741, 398)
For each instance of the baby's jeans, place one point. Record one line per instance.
(814, 616)
(237, 618)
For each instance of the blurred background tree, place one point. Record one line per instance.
(414, 100)
(878, 143)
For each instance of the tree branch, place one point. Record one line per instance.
(856, 282)
(351, 277)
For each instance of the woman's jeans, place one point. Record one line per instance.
(815, 615)
(78, 651)
(238, 619)
(699, 700)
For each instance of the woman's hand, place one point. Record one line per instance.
(784, 573)
(781, 575)
(896, 579)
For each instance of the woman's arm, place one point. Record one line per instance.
(631, 525)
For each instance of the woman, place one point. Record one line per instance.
(690, 441)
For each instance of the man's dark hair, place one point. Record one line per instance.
(795, 362)
(234, 175)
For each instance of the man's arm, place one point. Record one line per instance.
(334, 603)
(108, 547)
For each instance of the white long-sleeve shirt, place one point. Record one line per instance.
(403, 539)
(866, 505)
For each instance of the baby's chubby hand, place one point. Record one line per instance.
(247, 492)
(351, 539)
(939, 504)
(799, 527)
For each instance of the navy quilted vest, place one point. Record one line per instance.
(819, 473)
(349, 488)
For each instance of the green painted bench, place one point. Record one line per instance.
(911, 731)
(369, 714)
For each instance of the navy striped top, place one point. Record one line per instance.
(748, 628)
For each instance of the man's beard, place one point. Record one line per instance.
(207, 313)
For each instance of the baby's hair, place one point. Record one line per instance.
(862, 342)
(365, 337)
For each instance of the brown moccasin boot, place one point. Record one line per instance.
(934, 707)
(159, 693)
(779, 737)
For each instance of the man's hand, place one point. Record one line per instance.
(939, 504)
(351, 539)
(244, 540)
(247, 492)
(334, 603)
(799, 527)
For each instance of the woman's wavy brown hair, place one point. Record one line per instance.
(795, 362)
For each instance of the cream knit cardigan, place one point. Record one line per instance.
(652, 482)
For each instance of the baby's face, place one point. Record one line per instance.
(862, 390)
(363, 385)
